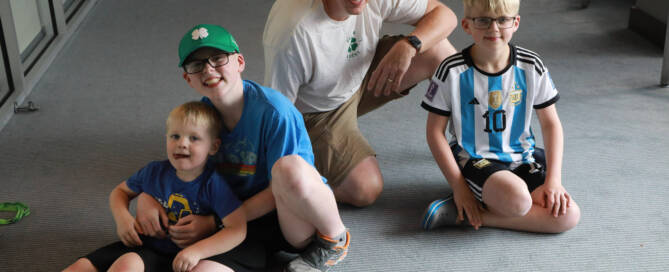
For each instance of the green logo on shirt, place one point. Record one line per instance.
(353, 47)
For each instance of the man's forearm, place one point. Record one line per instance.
(438, 22)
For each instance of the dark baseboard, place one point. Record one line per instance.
(648, 26)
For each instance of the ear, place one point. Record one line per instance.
(242, 63)
(214, 146)
(516, 23)
(465, 25)
(185, 75)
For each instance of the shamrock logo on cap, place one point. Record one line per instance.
(199, 33)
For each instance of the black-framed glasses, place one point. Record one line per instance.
(503, 22)
(196, 66)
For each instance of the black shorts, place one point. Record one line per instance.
(477, 171)
(264, 240)
(267, 230)
(247, 256)
(104, 257)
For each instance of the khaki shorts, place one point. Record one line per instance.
(336, 139)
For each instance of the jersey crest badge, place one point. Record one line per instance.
(495, 99)
(431, 91)
(515, 97)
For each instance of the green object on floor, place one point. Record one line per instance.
(18, 207)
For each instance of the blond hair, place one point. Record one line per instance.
(498, 7)
(199, 114)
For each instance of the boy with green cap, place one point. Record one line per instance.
(265, 156)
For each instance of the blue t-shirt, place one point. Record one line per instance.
(270, 128)
(207, 194)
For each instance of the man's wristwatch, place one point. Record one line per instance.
(415, 42)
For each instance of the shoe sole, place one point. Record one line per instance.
(427, 219)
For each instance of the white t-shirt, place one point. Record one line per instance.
(319, 63)
(490, 114)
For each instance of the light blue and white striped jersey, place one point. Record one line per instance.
(490, 114)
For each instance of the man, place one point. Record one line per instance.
(328, 58)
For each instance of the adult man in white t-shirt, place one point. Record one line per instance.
(327, 57)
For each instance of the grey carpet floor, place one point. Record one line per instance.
(104, 100)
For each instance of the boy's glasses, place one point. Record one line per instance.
(196, 66)
(485, 22)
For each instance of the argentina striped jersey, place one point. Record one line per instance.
(490, 114)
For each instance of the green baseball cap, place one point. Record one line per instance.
(204, 35)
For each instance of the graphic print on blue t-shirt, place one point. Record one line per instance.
(207, 194)
(270, 127)
(240, 158)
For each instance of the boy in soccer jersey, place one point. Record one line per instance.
(184, 184)
(487, 92)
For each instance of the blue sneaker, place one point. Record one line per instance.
(441, 212)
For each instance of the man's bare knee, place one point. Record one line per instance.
(363, 185)
(367, 192)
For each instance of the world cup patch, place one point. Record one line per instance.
(495, 99)
(431, 91)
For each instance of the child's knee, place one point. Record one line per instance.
(569, 220)
(291, 174)
(507, 195)
(207, 265)
(81, 265)
(128, 262)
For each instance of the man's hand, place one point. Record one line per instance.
(186, 260)
(552, 197)
(191, 228)
(150, 215)
(391, 69)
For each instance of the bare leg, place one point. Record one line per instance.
(506, 194)
(304, 203)
(538, 219)
(206, 265)
(510, 206)
(81, 265)
(363, 185)
(128, 262)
